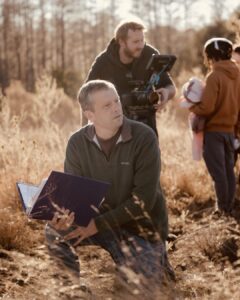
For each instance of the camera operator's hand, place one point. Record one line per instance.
(163, 98)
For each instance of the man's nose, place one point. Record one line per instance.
(117, 107)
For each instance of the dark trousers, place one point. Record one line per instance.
(127, 250)
(218, 153)
(236, 154)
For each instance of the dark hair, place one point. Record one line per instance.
(218, 49)
(122, 28)
(89, 88)
(237, 49)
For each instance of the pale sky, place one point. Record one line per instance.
(201, 10)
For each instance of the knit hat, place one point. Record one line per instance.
(192, 92)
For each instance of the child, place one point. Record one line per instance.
(220, 105)
(192, 92)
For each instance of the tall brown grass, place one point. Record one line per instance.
(34, 132)
(33, 137)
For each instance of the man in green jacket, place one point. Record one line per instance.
(126, 154)
(124, 61)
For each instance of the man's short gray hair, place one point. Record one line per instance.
(89, 88)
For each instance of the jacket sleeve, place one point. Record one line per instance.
(94, 73)
(146, 185)
(72, 161)
(95, 70)
(207, 105)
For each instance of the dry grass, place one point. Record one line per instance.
(181, 176)
(33, 136)
(204, 250)
(16, 232)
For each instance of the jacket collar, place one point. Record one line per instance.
(125, 135)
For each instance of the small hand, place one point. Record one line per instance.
(63, 220)
(82, 233)
(197, 123)
(163, 98)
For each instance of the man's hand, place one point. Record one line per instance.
(164, 95)
(163, 98)
(82, 233)
(63, 220)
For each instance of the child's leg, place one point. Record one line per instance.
(215, 159)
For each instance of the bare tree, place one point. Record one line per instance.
(6, 28)
(112, 12)
(42, 34)
(18, 38)
(154, 21)
(28, 13)
(218, 7)
(136, 8)
(169, 16)
(61, 34)
(187, 9)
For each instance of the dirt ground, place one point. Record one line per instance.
(203, 249)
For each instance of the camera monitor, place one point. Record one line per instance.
(161, 63)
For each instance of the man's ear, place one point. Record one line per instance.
(88, 114)
(121, 42)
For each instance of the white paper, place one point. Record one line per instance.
(28, 191)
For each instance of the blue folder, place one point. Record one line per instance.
(79, 194)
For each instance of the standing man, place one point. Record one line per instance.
(133, 223)
(125, 60)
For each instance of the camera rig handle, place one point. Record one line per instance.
(158, 64)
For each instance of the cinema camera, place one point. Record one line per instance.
(139, 102)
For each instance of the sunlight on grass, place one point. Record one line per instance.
(33, 137)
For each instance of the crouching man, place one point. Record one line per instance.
(133, 223)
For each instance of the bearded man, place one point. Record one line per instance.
(125, 60)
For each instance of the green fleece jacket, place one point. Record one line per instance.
(133, 168)
(220, 102)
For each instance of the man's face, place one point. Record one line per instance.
(107, 110)
(134, 43)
